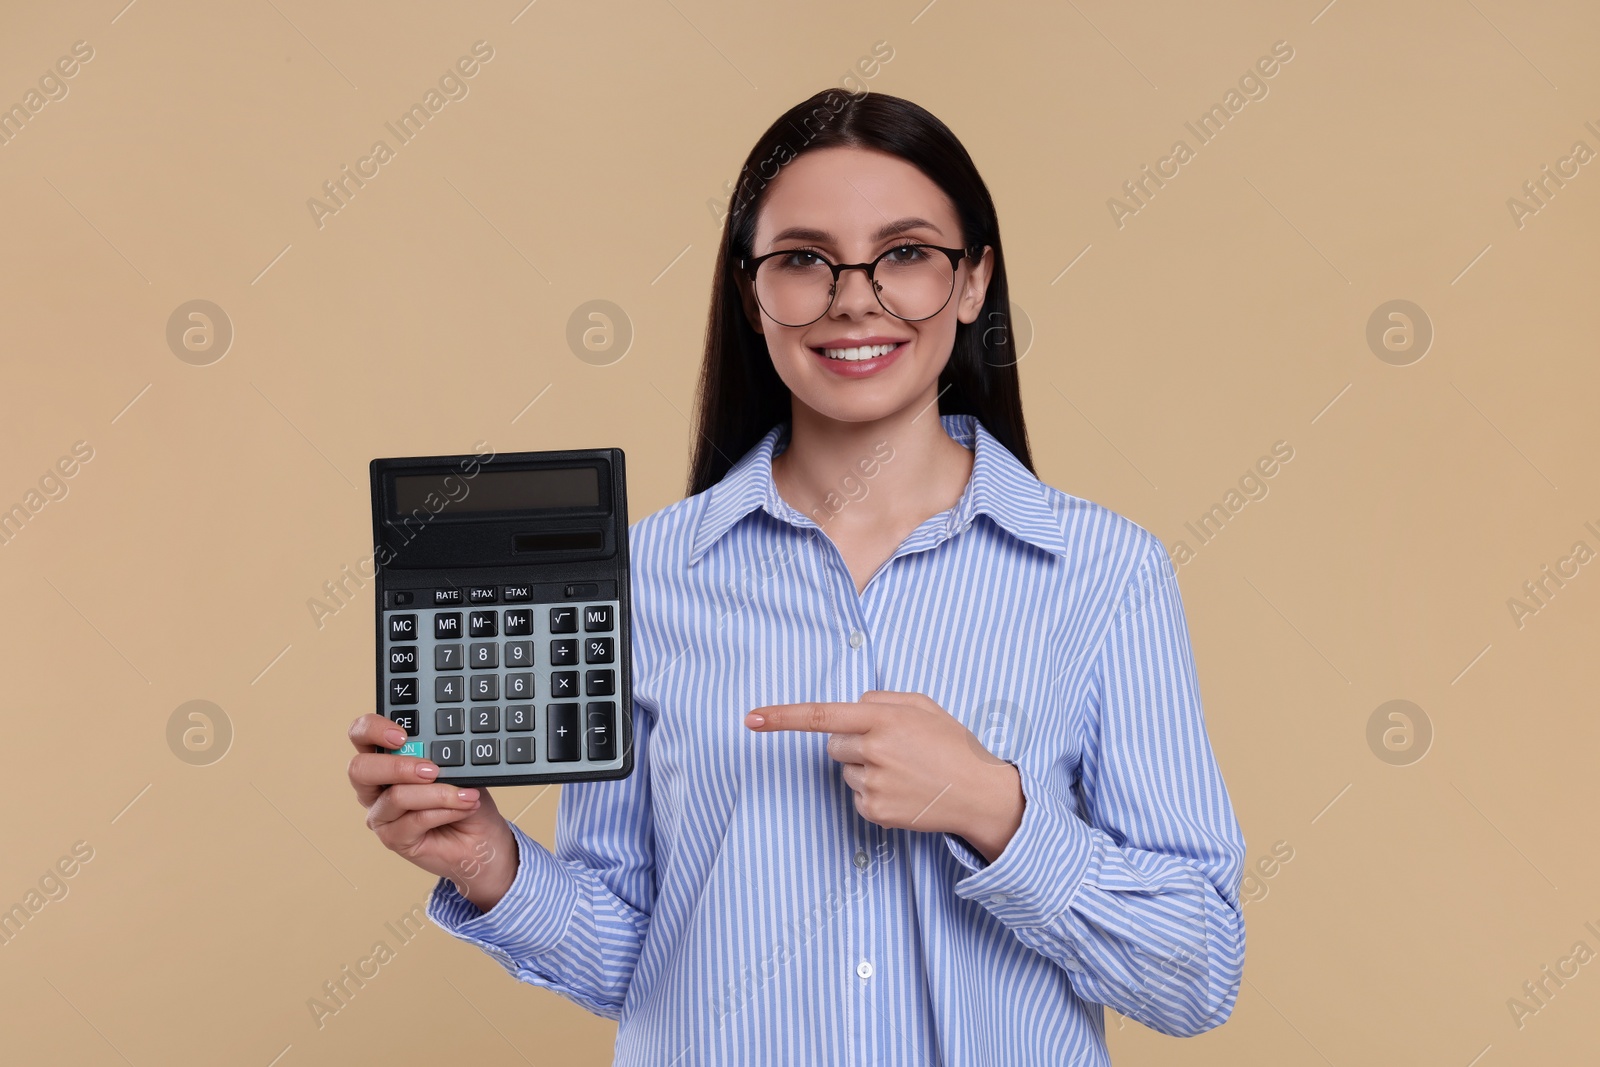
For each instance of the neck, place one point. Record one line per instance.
(871, 474)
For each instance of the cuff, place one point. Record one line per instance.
(965, 854)
(1047, 860)
(528, 921)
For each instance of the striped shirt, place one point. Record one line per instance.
(726, 904)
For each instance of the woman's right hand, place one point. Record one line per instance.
(447, 830)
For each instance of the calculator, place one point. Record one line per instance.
(503, 613)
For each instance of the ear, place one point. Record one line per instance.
(975, 286)
(747, 298)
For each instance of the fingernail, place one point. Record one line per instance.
(395, 738)
(467, 794)
(427, 770)
(754, 720)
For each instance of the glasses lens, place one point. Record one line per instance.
(914, 282)
(794, 289)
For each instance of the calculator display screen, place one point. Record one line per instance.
(570, 487)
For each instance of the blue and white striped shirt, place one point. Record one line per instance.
(726, 903)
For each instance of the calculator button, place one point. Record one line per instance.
(516, 594)
(402, 627)
(447, 658)
(572, 592)
(401, 598)
(410, 748)
(562, 733)
(485, 720)
(601, 716)
(597, 617)
(402, 690)
(483, 624)
(446, 625)
(481, 594)
(564, 683)
(519, 718)
(519, 653)
(447, 596)
(519, 687)
(406, 720)
(563, 620)
(485, 750)
(448, 721)
(483, 655)
(563, 653)
(600, 650)
(449, 690)
(447, 753)
(519, 750)
(486, 687)
(599, 683)
(519, 622)
(403, 660)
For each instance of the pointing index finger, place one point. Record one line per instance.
(812, 717)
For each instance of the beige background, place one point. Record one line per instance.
(1228, 314)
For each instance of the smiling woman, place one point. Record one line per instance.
(808, 680)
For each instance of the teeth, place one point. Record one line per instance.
(863, 352)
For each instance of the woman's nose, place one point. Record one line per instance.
(854, 293)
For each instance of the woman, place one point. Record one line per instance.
(816, 859)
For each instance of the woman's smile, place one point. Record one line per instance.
(859, 358)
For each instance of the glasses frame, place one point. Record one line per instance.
(750, 264)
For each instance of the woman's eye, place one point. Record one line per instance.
(906, 254)
(800, 259)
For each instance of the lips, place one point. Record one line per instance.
(857, 359)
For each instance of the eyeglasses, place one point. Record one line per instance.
(796, 286)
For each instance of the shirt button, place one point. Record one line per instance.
(857, 639)
(999, 898)
(861, 859)
(1072, 965)
(864, 969)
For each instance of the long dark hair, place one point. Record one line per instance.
(741, 396)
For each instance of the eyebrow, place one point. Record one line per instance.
(899, 226)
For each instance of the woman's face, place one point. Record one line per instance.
(849, 205)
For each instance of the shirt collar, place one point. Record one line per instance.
(1000, 487)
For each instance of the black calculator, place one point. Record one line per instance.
(503, 613)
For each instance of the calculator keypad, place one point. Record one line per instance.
(501, 689)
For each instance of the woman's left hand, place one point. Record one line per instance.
(912, 765)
